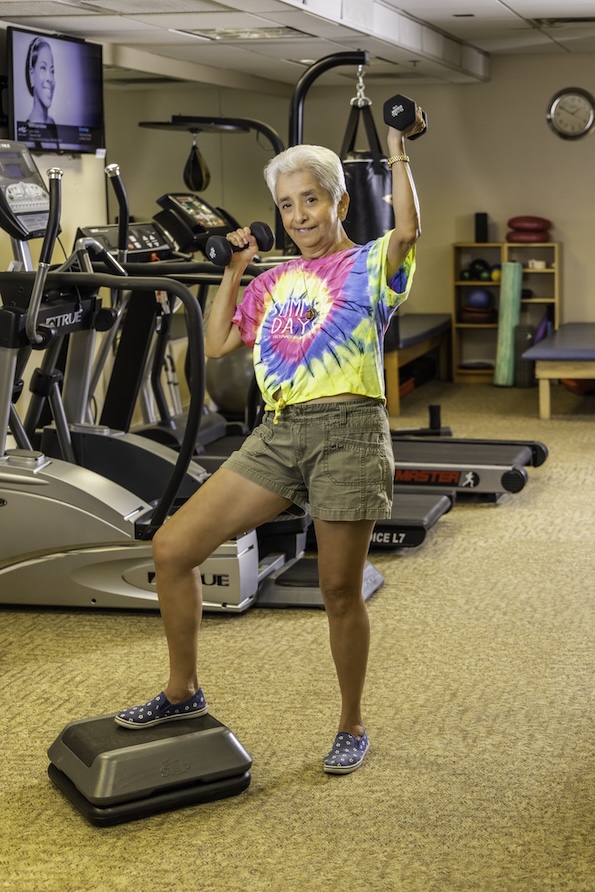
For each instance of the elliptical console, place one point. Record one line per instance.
(24, 198)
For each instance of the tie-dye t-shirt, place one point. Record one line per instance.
(317, 326)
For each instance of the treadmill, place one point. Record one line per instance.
(413, 516)
(473, 468)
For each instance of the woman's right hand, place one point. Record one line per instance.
(243, 240)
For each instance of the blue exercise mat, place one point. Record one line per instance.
(508, 319)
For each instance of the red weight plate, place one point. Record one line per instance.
(530, 224)
(518, 235)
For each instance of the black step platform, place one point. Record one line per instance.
(113, 774)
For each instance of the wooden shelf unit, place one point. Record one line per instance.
(474, 343)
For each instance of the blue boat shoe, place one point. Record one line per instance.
(161, 710)
(347, 754)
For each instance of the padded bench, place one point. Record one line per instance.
(409, 336)
(567, 353)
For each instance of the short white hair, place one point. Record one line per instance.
(323, 163)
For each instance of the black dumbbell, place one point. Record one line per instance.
(219, 249)
(400, 112)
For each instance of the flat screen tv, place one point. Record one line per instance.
(55, 92)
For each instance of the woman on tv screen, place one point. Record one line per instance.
(55, 92)
(41, 82)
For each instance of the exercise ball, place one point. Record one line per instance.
(228, 380)
(479, 298)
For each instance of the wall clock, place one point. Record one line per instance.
(571, 113)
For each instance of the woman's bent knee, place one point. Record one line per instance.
(171, 549)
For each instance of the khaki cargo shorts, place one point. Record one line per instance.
(334, 460)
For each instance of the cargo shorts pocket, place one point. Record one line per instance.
(352, 462)
(259, 437)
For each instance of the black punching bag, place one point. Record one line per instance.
(368, 181)
(196, 173)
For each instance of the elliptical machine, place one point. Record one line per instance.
(124, 458)
(72, 537)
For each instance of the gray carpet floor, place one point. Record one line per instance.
(479, 706)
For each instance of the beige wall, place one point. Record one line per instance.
(488, 148)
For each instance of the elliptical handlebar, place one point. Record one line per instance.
(51, 234)
(194, 323)
(47, 249)
(113, 174)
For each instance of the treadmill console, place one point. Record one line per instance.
(24, 198)
(191, 220)
(146, 241)
(200, 215)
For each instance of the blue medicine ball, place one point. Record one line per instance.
(480, 298)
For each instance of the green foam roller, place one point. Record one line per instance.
(508, 319)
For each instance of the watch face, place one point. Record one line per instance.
(571, 113)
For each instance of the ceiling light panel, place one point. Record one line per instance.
(275, 32)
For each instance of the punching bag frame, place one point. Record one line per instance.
(296, 106)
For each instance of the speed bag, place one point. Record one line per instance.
(197, 175)
(369, 184)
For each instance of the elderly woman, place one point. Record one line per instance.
(316, 325)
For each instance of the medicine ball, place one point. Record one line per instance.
(480, 298)
(477, 267)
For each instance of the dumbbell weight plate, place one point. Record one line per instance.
(219, 250)
(263, 234)
(400, 112)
